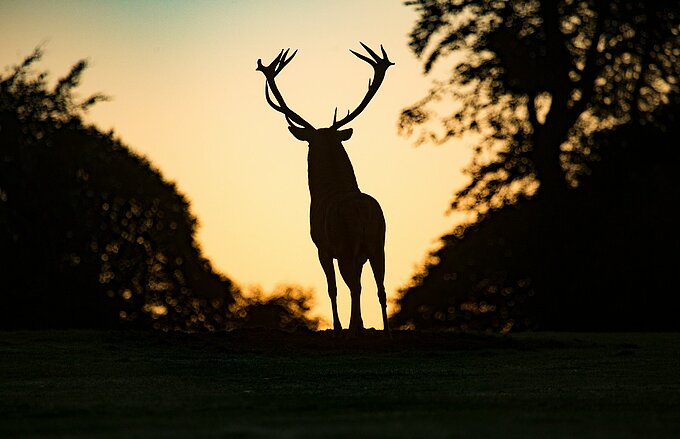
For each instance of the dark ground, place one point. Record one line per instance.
(271, 384)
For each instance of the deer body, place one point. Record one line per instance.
(345, 224)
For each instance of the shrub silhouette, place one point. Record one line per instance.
(287, 308)
(91, 235)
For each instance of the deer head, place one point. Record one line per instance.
(299, 127)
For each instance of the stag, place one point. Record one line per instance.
(346, 224)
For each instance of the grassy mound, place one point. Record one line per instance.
(312, 384)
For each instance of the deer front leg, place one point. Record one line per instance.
(328, 268)
(351, 274)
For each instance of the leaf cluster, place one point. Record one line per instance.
(521, 67)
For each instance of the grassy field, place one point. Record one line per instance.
(270, 384)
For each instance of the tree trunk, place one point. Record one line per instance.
(550, 220)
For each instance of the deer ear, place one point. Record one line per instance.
(345, 134)
(299, 133)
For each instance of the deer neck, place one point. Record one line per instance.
(329, 173)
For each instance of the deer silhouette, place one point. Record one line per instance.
(345, 223)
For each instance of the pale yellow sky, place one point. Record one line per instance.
(186, 95)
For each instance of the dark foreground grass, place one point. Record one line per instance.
(269, 384)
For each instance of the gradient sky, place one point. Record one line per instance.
(186, 95)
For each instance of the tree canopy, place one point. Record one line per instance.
(616, 236)
(533, 79)
(574, 104)
(91, 235)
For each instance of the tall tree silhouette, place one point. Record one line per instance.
(91, 235)
(533, 77)
(617, 270)
(544, 84)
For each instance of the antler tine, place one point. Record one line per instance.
(270, 71)
(283, 62)
(281, 55)
(380, 66)
(384, 54)
(370, 52)
(364, 58)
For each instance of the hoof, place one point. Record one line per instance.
(355, 331)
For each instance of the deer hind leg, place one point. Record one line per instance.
(328, 268)
(378, 267)
(350, 269)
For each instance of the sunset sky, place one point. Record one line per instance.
(185, 94)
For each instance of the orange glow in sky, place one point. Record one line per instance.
(186, 95)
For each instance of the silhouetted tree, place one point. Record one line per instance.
(544, 85)
(287, 308)
(533, 77)
(90, 234)
(618, 231)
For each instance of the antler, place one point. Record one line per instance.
(270, 73)
(380, 66)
